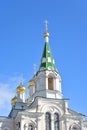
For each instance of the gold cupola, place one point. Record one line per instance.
(14, 100)
(21, 88)
(31, 83)
(46, 34)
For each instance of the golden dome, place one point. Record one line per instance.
(31, 83)
(21, 88)
(14, 100)
(46, 34)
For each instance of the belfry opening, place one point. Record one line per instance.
(50, 83)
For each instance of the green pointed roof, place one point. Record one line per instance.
(47, 61)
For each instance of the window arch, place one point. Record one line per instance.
(74, 127)
(56, 121)
(48, 121)
(30, 127)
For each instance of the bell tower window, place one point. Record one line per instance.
(50, 83)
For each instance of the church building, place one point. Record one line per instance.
(45, 109)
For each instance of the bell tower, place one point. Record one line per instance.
(47, 79)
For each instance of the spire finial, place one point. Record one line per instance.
(21, 83)
(46, 25)
(46, 34)
(21, 79)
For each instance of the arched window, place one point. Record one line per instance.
(56, 121)
(50, 83)
(48, 121)
(30, 127)
(74, 128)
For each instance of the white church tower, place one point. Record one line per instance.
(47, 81)
(45, 108)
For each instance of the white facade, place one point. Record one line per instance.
(45, 109)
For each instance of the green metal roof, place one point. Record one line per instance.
(47, 61)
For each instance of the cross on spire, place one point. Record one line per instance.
(46, 25)
(21, 79)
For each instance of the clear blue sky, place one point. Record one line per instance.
(22, 42)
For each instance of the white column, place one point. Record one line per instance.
(52, 122)
(22, 124)
(39, 126)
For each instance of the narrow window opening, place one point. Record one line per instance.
(56, 121)
(48, 121)
(50, 84)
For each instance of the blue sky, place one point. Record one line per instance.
(21, 45)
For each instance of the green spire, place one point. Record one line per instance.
(47, 61)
